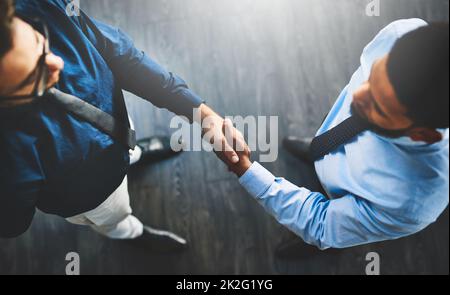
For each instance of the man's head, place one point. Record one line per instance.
(21, 47)
(407, 93)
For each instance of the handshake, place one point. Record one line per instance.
(228, 142)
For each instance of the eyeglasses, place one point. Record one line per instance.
(42, 76)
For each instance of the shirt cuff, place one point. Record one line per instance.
(257, 180)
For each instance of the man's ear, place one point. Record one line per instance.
(425, 134)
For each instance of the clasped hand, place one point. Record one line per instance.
(228, 142)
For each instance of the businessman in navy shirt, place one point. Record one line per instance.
(57, 163)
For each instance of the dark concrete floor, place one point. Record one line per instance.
(287, 58)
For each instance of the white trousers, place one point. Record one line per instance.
(113, 217)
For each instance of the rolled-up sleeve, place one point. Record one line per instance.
(340, 223)
(138, 73)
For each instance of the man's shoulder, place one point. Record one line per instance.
(40, 7)
(398, 28)
(383, 42)
(62, 3)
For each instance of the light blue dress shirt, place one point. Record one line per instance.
(378, 188)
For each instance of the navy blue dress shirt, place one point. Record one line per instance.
(51, 160)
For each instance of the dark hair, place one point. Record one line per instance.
(6, 17)
(418, 68)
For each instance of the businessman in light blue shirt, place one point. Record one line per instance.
(383, 157)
